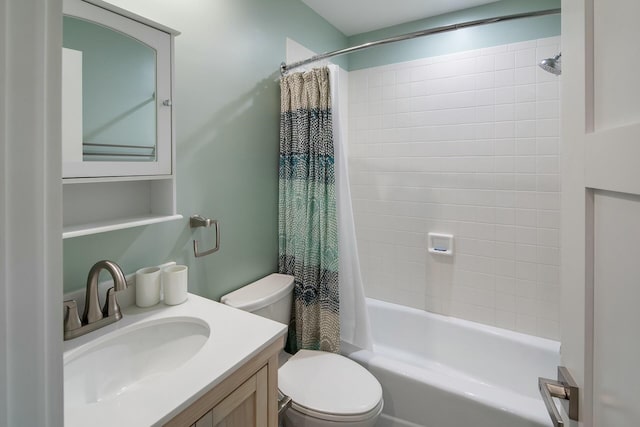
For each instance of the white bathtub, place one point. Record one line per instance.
(438, 371)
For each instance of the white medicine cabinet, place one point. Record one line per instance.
(117, 119)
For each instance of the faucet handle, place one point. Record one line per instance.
(71, 317)
(111, 307)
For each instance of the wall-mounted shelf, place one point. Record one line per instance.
(98, 206)
(104, 226)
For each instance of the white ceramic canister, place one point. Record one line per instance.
(147, 286)
(174, 282)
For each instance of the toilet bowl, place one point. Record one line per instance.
(326, 389)
(329, 390)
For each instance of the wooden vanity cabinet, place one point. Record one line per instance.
(247, 398)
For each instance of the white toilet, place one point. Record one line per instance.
(326, 389)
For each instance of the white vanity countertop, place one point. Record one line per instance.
(235, 337)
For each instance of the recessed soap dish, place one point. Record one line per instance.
(441, 244)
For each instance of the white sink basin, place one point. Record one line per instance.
(148, 367)
(121, 361)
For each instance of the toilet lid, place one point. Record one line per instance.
(325, 383)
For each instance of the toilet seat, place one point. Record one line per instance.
(338, 418)
(330, 387)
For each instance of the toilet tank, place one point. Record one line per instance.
(269, 297)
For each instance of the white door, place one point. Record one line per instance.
(601, 208)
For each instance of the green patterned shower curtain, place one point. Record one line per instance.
(308, 230)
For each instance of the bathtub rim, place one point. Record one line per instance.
(519, 337)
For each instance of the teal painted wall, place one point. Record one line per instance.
(227, 107)
(460, 40)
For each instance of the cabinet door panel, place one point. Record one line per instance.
(205, 421)
(246, 406)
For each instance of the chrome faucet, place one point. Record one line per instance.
(93, 317)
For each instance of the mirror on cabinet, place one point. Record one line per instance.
(116, 93)
(113, 79)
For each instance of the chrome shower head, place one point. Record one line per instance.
(552, 65)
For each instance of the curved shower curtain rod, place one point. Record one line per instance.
(284, 67)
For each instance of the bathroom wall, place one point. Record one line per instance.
(227, 109)
(227, 106)
(466, 144)
(460, 40)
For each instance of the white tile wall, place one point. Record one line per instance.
(464, 144)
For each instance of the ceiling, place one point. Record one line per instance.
(359, 16)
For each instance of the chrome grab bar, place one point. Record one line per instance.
(200, 221)
(564, 388)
